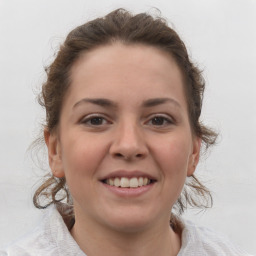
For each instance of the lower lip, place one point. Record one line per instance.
(129, 192)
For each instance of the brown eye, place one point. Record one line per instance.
(160, 121)
(94, 121)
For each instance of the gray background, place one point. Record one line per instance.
(220, 36)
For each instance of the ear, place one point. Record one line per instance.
(54, 153)
(194, 157)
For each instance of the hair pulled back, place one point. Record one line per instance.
(121, 26)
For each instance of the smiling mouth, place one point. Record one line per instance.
(125, 182)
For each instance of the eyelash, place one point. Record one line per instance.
(92, 117)
(101, 120)
(166, 120)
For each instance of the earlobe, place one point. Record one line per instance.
(194, 157)
(54, 153)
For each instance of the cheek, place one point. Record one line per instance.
(81, 159)
(173, 157)
(81, 156)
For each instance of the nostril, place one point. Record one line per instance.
(118, 155)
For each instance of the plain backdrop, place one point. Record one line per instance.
(221, 38)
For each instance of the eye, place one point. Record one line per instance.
(160, 121)
(94, 120)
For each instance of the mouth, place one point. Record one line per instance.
(124, 182)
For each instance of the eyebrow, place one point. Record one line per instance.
(98, 101)
(158, 101)
(110, 104)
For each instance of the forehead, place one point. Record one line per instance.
(119, 69)
(120, 55)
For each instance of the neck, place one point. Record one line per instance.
(93, 239)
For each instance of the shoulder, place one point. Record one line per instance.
(203, 241)
(51, 237)
(35, 242)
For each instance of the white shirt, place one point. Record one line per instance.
(52, 238)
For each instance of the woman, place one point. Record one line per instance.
(123, 102)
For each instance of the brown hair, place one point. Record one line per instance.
(121, 26)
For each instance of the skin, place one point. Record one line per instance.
(92, 141)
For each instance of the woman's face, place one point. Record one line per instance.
(124, 141)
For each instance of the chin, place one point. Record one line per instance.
(129, 226)
(129, 221)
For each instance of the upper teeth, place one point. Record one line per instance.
(128, 183)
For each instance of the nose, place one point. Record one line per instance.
(128, 143)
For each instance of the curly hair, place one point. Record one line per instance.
(122, 26)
